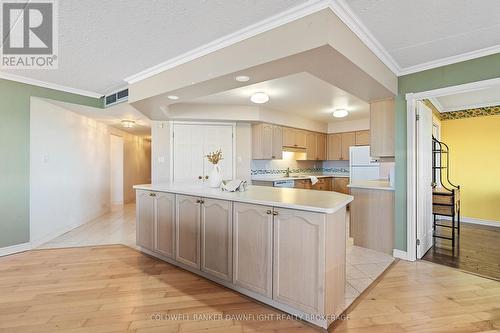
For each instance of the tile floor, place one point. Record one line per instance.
(363, 266)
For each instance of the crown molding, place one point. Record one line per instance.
(344, 12)
(43, 84)
(471, 106)
(450, 60)
(270, 23)
(436, 104)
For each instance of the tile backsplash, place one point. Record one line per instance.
(272, 167)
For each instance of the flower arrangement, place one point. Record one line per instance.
(215, 157)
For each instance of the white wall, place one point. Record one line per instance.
(349, 125)
(69, 170)
(160, 151)
(243, 150)
(116, 169)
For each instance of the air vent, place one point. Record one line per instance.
(117, 97)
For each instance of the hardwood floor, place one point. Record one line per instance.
(117, 289)
(477, 251)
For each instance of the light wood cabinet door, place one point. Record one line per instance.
(323, 184)
(348, 140)
(321, 147)
(165, 224)
(253, 248)
(311, 146)
(334, 147)
(145, 203)
(382, 133)
(187, 230)
(339, 184)
(299, 259)
(362, 138)
(288, 137)
(216, 238)
(262, 136)
(277, 142)
(300, 138)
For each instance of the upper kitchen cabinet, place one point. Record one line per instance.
(363, 138)
(294, 138)
(267, 142)
(338, 145)
(382, 128)
(315, 146)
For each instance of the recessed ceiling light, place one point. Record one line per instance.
(173, 97)
(259, 98)
(128, 123)
(242, 78)
(340, 113)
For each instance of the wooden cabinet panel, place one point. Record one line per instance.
(311, 146)
(253, 248)
(304, 184)
(187, 230)
(321, 147)
(216, 238)
(372, 219)
(348, 140)
(165, 224)
(334, 147)
(299, 259)
(362, 138)
(323, 184)
(288, 137)
(277, 142)
(300, 138)
(382, 131)
(145, 219)
(339, 184)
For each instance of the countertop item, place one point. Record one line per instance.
(272, 178)
(372, 185)
(314, 201)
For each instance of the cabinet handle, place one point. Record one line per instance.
(273, 156)
(275, 213)
(152, 194)
(202, 201)
(198, 201)
(268, 212)
(200, 177)
(206, 177)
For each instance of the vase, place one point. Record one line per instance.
(215, 177)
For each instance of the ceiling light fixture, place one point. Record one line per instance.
(128, 123)
(242, 78)
(340, 113)
(173, 97)
(259, 98)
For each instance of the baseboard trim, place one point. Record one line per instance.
(400, 254)
(48, 237)
(471, 220)
(5, 251)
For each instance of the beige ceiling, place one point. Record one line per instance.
(301, 94)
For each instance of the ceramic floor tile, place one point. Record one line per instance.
(372, 270)
(350, 291)
(360, 284)
(353, 273)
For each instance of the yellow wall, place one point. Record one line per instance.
(475, 163)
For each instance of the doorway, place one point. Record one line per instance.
(452, 219)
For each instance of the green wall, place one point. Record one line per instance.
(15, 154)
(464, 72)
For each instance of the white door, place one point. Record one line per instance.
(192, 142)
(424, 179)
(188, 152)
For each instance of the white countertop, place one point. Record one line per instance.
(372, 185)
(272, 178)
(314, 201)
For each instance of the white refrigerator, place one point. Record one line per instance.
(361, 165)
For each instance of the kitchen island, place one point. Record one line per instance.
(284, 247)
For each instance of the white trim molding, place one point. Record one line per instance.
(436, 104)
(48, 85)
(450, 60)
(4, 251)
(472, 106)
(400, 254)
(473, 220)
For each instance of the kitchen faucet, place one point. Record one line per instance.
(287, 173)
